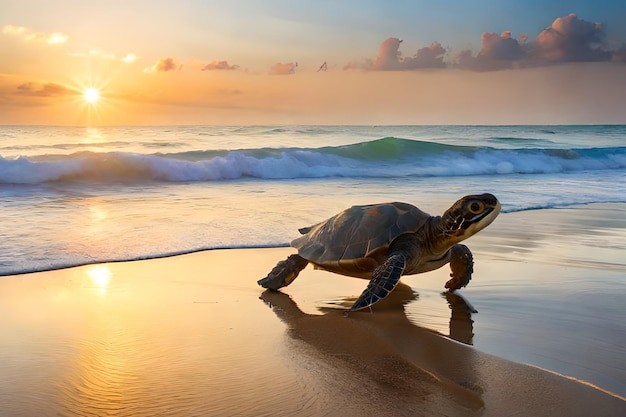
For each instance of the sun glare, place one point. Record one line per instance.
(91, 95)
(100, 276)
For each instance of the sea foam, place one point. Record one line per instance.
(383, 158)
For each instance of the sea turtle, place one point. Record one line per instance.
(382, 242)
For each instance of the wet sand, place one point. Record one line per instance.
(194, 335)
(550, 290)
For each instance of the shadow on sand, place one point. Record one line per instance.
(388, 354)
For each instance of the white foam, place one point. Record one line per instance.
(301, 163)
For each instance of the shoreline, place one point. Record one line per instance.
(604, 205)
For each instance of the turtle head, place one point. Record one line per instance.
(468, 216)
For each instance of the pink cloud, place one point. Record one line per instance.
(219, 65)
(501, 47)
(389, 58)
(164, 65)
(568, 39)
(497, 52)
(427, 57)
(284, 69)
(571, 39)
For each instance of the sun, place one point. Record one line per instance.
(91, 95)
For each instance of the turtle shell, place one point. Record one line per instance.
(351, 242)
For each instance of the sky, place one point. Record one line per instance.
(370, 62)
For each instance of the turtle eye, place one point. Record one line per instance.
(476, 207)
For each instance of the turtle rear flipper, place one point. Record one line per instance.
(384, 280)
(283, 273)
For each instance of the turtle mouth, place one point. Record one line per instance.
(476, 219)
(479, 221)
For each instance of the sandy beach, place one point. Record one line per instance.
(157, 159)
(193, 335)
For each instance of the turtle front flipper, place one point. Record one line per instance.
(384, 279)
(283, 273)
(462, 266)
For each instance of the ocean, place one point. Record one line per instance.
(73, 195)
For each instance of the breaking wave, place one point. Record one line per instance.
(383, 158)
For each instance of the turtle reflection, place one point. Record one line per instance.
(461, 323)
(390, 354)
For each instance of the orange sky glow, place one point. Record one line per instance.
(500, 78)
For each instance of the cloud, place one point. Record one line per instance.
(56, 38)
(497, 52)
(501, 47)
(219, 65)
(284, 69)
(49, 38)
(428, 57)
(14, 30)
(570, 39)
(567, 39)
(389, 58)
(95, 53)
(164, 65)
(44, 90)
(129, 58)
(53, 38)
(466, 60)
